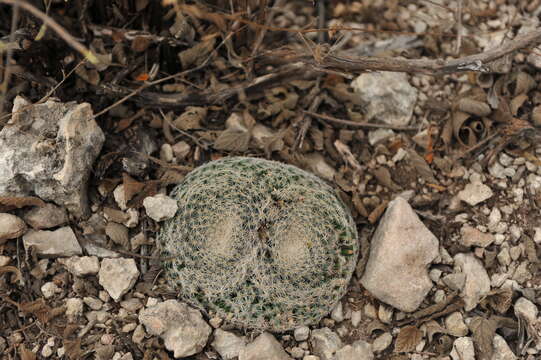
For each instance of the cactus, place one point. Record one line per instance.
(264, 245)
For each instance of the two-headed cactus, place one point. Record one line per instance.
(262, 244)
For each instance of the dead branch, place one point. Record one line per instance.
(358, 124)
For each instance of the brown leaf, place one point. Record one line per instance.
(500, 299)
(483, 331)
(377, 212)
(26, 354)
(191, 118)
(131, 186)
(38, 308)
(8, 203)
(474, 107)
(11, 269)
(383, 175)
(150, 189)
(408, 338)
(196, 54)
(517, 102)
(432, 328)
(118, 233)
(421, 166)
(73, 348)
(115, 215)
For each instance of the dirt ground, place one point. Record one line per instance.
(175, 84)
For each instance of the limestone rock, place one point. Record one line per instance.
(301, 333)
(227, 344)
(526, 310)
(45, 217)
(74, 309)
(11, 227)
(264, 347)
(382, 342)
(475, 193)
(60, 242)
(477, 282)
(501, 349)
(359, 350)
(160, 207)
(470, 236)
(48, 150)
(325, 343)
(400, 252)
(117, 276)
(388, 96)
(455, 324)
(463, 349)
(182, 328)
(81, 265)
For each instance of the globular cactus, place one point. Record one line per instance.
(262, 244)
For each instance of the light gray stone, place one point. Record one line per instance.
(471, 236)
(325, 343)
(50, 289)
(74, 309)
(11, 227)
(117, 276)
(60, 242)
(301, 333)
(264, 347)
(477, 282)
(48, 150)
(359, 350)
(337, 313)
(501, 349)
(160, 207)
(45, 217)
(400, 252)
(387, 96)
(356, 318)
(455, 324)
(182, 328)
(382, 342)
(527, 310)
(81, 265)
(463, 349)
(227, 344)
(475, 193)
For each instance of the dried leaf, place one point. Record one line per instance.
(359, 206)
(8, 203)
(11, 269)
(517, 102)
(524, 83)
(131, 186)
(115, 215)
(73, 349)
(432, 328)
(408, 339)
(38, 308)
(26, 354)
(150, 189)
(377, 212)
(500, 299)
(421, 166)
(346, 154)
(118, 233)
(196, 54)
(191, 118)
(383, 175)
(483, 331)
(474, 107)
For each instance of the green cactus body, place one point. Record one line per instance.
(262, 244)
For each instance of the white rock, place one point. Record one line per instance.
(471, 236)
(477, 282)
(382, 342)
(60, 242)
(355, 318)
(301, 333)
(387, 96)
(455, 324)
(463, 349)
(385, 314)
(501, 349)
(117, 276)
(48, 151)
(377, 136)
(311, 357)
(475, 193)
(337, 313)
(49, 289)
(11, 227)
(325, 343)
(264, 347)
(181, 150)
(93, 303)
(296, 352)
(45, 217)
(120, 197)
(160, 207)
(359, 350)
(182, 328)
(4, 260)
(227, 344)
(527, 310)
(317, 164)
(74, 309)
(81, 265)
(400, 252)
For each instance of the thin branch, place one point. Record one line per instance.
(56, 27)
(358, 124)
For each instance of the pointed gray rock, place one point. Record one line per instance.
(60, 242)
(400, 252)
(264, 347)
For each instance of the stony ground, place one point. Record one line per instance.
(441, 170)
